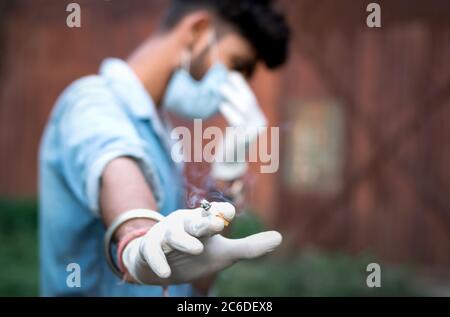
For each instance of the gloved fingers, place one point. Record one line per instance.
(204, 226)
(254, 246)
(231, 114)
(156, 259)
(223, 210)
(199, 225)
(182, 241)
(240, 111)
(240, 85)
(235, 98)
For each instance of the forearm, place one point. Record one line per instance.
(124, 188)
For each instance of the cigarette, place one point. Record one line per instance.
(221, 216)
(206, 206)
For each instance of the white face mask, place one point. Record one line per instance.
(195, 99)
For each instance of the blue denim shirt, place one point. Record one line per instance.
(96, 119)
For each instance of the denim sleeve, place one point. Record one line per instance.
(95, 130)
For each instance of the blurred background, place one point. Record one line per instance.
(365, 141)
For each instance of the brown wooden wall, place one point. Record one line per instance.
(42, 55)
(392, 86)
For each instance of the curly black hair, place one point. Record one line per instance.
(257, 20)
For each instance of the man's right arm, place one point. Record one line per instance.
(123, 187)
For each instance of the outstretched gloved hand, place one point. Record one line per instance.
(185, 246)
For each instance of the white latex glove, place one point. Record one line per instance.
(240, 109)
(171, 253)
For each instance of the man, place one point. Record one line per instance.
(110, 193)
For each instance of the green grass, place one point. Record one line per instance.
(311, 273)
(18, 248)
(308, 273)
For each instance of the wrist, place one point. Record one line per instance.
(125, 242)
(133, 225)
(123, 221)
